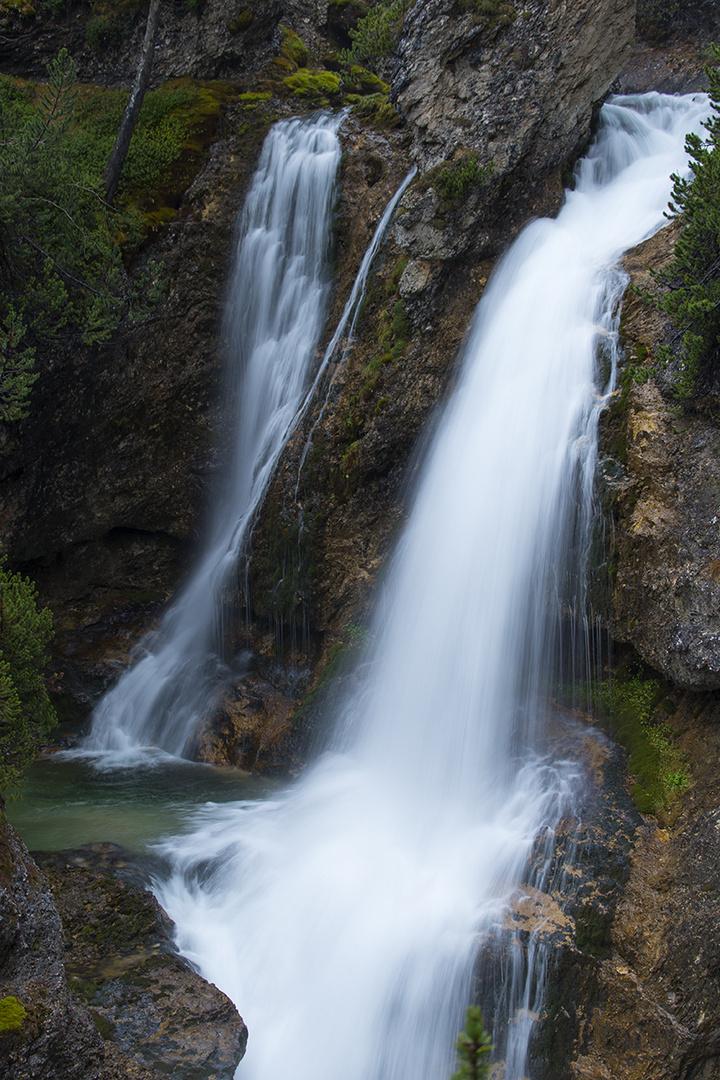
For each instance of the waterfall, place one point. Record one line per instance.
(277, 301)
(343, 916)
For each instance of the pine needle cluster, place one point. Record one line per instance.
(691, 293)
(473, 1048)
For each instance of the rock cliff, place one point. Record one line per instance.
(135, 1008)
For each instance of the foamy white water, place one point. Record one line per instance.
(275, 313)
(342, 918)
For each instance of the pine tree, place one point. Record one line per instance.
(692, 280)
(473, 1047)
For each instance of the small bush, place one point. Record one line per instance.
(26, 714)
(101, 33)
(473, 1048)
(377, 109)
(378, 32)
(656, 19)
(457, 180)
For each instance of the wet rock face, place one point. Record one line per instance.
(563, 916)
(56, 1037)
(524, 80)
(147, 1004)
(668, 537)
(652, 1007)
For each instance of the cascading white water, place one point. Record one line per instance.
(276, 309)
(342, 918)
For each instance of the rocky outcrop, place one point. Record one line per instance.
(215, 39)
(519, 84)
(97, 990)
(668, 515)
(647, 1006)
(144, 999)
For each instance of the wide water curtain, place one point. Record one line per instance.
(343, 918)
(275, 311)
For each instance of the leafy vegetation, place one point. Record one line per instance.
(102, 33)
(691, 294)
(457, 179)
(26, 713)
(633, 703)
(63, 251)
(376, 108)
(473, 1048)
(378, 32)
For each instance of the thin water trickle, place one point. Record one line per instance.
(343, 916)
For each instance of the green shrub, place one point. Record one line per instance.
(101, 33)
(656, 19)
(456, 180)
(378, 32)
(377, 109)
(63, 252)
(691, 281)
(61, 271)
(26, 714)
(473, 1048)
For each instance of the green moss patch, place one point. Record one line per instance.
(293, 49)
(12, 1015)
(633, 702)
(316, 85)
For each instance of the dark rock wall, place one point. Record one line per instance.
(513, 92)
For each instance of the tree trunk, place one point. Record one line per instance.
(114, 167)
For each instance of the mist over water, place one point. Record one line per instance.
(342, 917)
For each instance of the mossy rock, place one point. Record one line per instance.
(240, 22)
(282, 64)
(293, 49)
(255, 98)
(365, 81)
(12, 1015)
(376, 108)
(313, 84)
